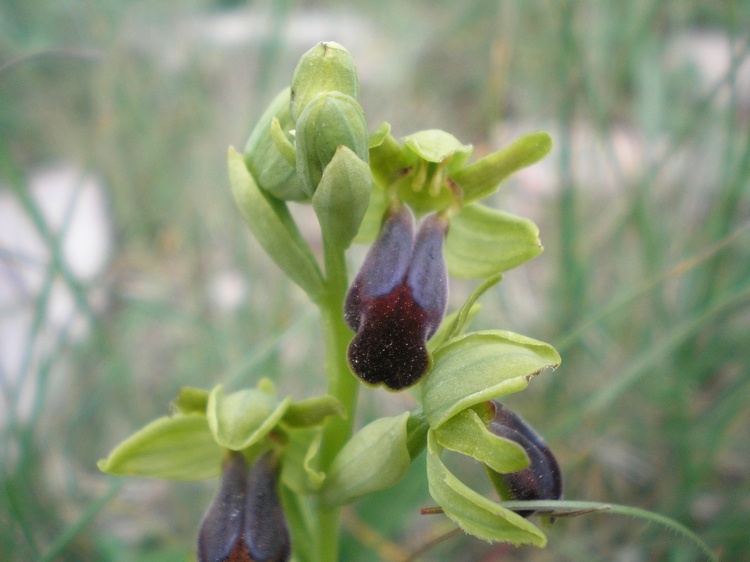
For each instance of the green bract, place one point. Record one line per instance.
(374, 459)
(273, 226)
(342, 196)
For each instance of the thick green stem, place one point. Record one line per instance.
(341, 384)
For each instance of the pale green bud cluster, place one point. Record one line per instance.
(311, 144)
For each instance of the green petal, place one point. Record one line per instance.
(481, 366)
(273, 226)
(474, 513)
(180, 447)
(243, 418)
(388, 158)
(191, 400)
(374, 459)
(466, 433)
(313, 411)
(482, 177)
(435, 145)
(482, 242)
(284, 146)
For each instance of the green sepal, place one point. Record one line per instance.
(467, 434)
(375, 458)
(482, 242)
(482, 178)
(330, 120)
(284, 145)
(342, 197)
(241, 419)
(327, 67)
(299, 470)
(178, 447)
(475, 514)
(481, 366)
(274, 228)
(264, 152)
(312, 412)
(191, 400)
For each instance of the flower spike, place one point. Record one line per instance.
(397, 301)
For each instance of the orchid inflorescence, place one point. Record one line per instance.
(287, 465)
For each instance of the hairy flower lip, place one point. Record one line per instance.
(245, 522)
(542, 478)
(397, 301)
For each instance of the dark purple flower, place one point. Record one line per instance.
(245, 522)
(541, 479)
(398, 300)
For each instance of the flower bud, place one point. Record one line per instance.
(330, 120)
(397, 301)
(327, 67)
(342, 196)
(265, 162)
(245, 521)
(541, 479)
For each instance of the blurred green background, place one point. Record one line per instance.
(125, 271)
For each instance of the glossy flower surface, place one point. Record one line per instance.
(245, 522)
(541, 479)
(398, 300)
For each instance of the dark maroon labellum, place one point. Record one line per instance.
(397, 301)
(245, 522)
(542, 479)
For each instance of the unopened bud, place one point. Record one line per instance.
(330, 120)
(327, 67)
